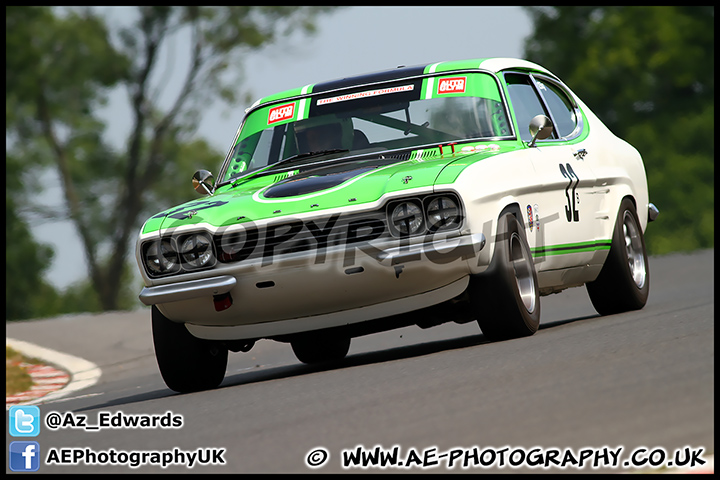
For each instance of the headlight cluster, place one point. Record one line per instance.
(170, 255)
(416, 216)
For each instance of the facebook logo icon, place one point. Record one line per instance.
(24, 456)
(24, 421)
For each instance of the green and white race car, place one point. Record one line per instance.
(457, 191)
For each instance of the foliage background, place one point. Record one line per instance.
(649, 74)
(60, 65)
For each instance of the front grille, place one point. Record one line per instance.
(295, 235)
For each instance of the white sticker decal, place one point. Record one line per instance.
(365, 94)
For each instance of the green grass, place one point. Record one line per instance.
(17, 379)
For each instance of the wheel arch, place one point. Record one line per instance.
(627, 190)
(513, 208)
(617, 203)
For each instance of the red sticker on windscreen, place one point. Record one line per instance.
(283, 112)
(451, 85)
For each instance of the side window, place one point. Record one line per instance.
(562, 110)
(525, 102)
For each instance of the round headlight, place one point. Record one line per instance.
(407, 218)
(196, 251)
(161, 258)
(443, 214)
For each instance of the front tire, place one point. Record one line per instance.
(506, 298)
(624, 281)
(187, 364)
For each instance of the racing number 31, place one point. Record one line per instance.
(571, 212)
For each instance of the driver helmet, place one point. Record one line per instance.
(324, 133)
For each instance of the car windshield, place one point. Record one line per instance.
(372, 118)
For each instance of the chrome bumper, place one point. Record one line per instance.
(464, 246)
(185, 290)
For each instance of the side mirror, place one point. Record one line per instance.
(203, 182)
(541, 127)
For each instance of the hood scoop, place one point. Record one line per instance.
(312, 182)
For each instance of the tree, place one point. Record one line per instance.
(648, 73)
(59, 70)
(25, 263)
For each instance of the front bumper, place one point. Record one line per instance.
(297, 293)
(329, 320)
(438, 251)
(175, 292)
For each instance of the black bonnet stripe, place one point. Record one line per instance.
(383, 76)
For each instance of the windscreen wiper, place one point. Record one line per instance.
(301, 156)
(286, 161)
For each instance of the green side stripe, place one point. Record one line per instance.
(571, 248)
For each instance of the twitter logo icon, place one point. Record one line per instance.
(24, 421)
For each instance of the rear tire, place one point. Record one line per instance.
(624, 281)
(506, 298)
(187, 363)
(320, 348)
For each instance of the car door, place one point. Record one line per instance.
(560, 213)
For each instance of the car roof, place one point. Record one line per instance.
(490, 64)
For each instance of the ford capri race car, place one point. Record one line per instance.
(452, 192)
